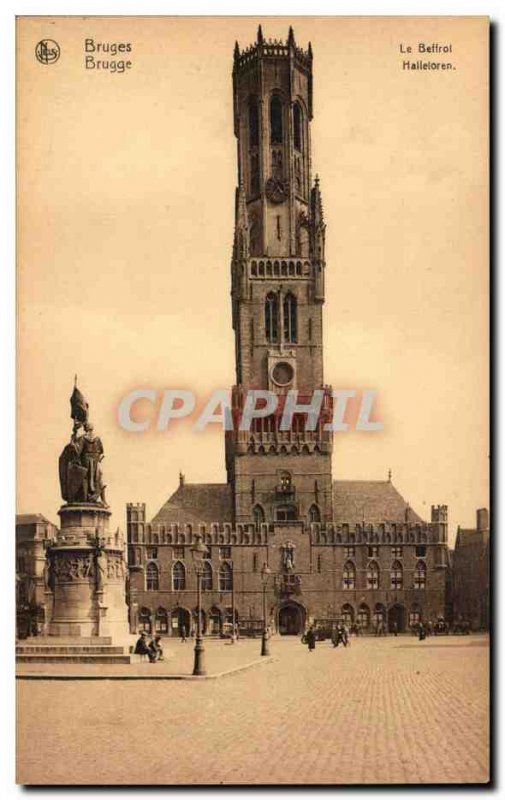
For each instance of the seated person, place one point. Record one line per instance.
(142, 648)
(156, 648)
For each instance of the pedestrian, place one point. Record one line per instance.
(311, 639)
(183, 633)
(422, 632)
(394, 628)
(143, 649)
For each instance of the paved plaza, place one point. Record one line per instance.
(391, 710)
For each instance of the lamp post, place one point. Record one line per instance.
(198, 551)
(233, 635)
(265, 574)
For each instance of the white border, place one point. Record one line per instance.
(8, 10)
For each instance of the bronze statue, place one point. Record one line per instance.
(81, 479)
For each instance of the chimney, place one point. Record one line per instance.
(482, 519)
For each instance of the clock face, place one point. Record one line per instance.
(282, 373)
(276, 190)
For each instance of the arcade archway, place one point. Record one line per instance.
(291, 619)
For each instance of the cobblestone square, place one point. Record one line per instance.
(388, 710)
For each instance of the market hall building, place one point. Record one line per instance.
(336, 549)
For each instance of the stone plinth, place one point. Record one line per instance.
(86, 581)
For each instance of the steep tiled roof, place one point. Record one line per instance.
(353, 501)
(195, 503)
(370, 501)
(467, 537)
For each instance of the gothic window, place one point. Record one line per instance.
(271, 315)
(347, 614)
(298, 174)
(254, 123)
(350, 552)
(254, 174)
(396, 575)
(225, 551)
(178, 576)
(152, 578)
(178, 552)
(420, 575)
(207, 577)
(373, 551)
(152, 552)
(349, 577)
(415, 616)
(420, 551)
(145, 620)
(379, 615)
(363, 616)
(225, 578)
(161, 621)
(396, 552)
(254, 237)
(314, 514)
(258, 515)
(290, 322)
(372, 575)
(276, 120)
(297, 127)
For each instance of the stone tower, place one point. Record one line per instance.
(277, 276)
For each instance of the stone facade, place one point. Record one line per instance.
(336, 549)
(470, 573)
(34, 534)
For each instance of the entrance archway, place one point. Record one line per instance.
(291, 619)
(396, 616)
(180, 618)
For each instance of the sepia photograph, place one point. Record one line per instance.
(252, 535)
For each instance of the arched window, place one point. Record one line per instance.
(258, 515)
(178, 576)
(207, 577)
(379, 615)
(161, 621)
(271, 317)
(314, 514)
(396, 575)
(414, 615)
(349, 577)
(347, 614)
(363, 616)
(297, 126)
(254, 175)
(254, 126)
(145, 620)
(276, 120)
(152, 578)
(290, 326)
(225, 578)
(372, 576)
(420, 575)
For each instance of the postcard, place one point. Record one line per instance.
(253, 517)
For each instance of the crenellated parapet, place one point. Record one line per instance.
(382, 533)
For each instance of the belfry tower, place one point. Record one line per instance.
(277, 276)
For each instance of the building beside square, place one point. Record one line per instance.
(336, 549)
(471, 573)
(34, 534)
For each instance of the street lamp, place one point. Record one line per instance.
(265, 574)
(198, 552)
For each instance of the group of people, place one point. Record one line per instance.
(152, 649)
(339, 635)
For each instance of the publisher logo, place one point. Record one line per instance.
(47, 51)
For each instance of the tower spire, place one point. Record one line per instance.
(291, 37)
(260, 35)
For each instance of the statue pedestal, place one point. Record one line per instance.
(87, 576)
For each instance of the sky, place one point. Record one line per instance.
(125, 222)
